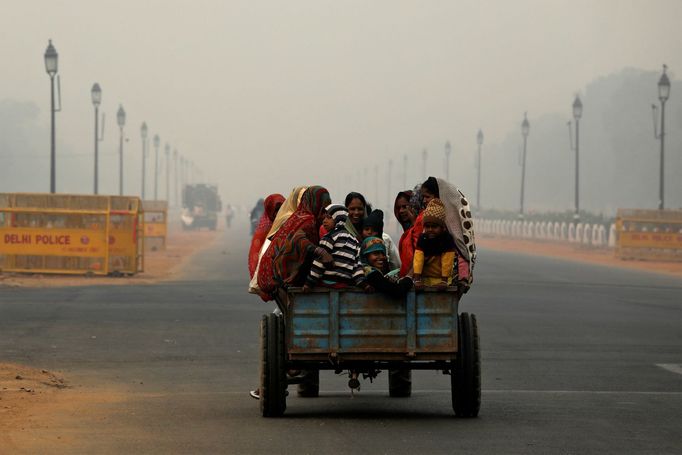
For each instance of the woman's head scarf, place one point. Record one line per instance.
(293, 243)
(271, 204)
(431, 184)
(286, 210)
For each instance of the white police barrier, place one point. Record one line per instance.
(612, 236)
(584, 234)
(587, 234)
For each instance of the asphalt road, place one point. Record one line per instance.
(572, 357)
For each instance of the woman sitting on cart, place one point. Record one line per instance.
(407, 209)
(272, 204)
(287, 260)
(357, 211)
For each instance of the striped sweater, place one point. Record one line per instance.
(346, 268)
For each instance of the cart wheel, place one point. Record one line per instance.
(465, 380)
(310, 384)
(399, 383)
(273, 383)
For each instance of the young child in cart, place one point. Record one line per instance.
(376, 268)
(345, 270)
(436, 254)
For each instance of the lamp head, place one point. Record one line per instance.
(121, 116)
(525, 125)
(664, 86)
(51, 60)
(577, 108)
(479, 137)
(96, 95)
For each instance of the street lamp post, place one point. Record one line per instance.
(157, 141)
(424, 156)
(525, 128)
(405, 171)
(143, 133)
(448, 150)
(51, 66)
(663, 95)
(577, 114)
(182, 172)
(479, 141)
(167, 149)
(96, 95)
(121, 119)
(175, 170)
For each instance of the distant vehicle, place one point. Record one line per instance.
(256, 213)
(200, 206)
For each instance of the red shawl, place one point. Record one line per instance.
(292, 243)
(272, 204)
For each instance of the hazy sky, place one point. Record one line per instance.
(265, 95)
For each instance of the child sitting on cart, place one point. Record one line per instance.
(345, 270)
(376, 265)
(436, 253)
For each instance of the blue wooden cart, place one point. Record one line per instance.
(363, 334)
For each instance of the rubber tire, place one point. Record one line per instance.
(465, 379)
(273, 382)
(399, 383)
(310, 386)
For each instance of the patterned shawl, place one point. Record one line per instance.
(458, 220)
(271, 205)
(292, 244)
(288, 208)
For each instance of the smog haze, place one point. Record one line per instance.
(262, 96)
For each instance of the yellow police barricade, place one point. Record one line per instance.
(155, 224)
(49, 233)
(126, 235)
(649, 234)
(58, 233)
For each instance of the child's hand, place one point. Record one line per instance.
(368, 288)
(418, 283)
(307, 288)
(442, 286)
(323, 256)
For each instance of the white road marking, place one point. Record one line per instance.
(672, 367)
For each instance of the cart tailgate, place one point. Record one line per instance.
(343, 322)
